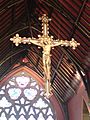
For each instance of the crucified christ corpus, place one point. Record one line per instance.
(46, 42)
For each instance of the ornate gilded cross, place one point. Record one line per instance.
(46, 42)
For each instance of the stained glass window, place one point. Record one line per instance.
(21, 98)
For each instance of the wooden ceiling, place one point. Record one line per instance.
(70, 19)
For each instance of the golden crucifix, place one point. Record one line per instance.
(46, 42)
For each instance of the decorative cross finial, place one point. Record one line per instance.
(45, 25)
(46, 42)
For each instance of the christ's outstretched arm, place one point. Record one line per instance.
(66, 43)
(59, 42)
(32, 40)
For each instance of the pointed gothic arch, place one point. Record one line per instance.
(15, 94)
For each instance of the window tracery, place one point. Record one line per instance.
(21, 98)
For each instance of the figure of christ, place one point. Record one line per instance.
(46, 45)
